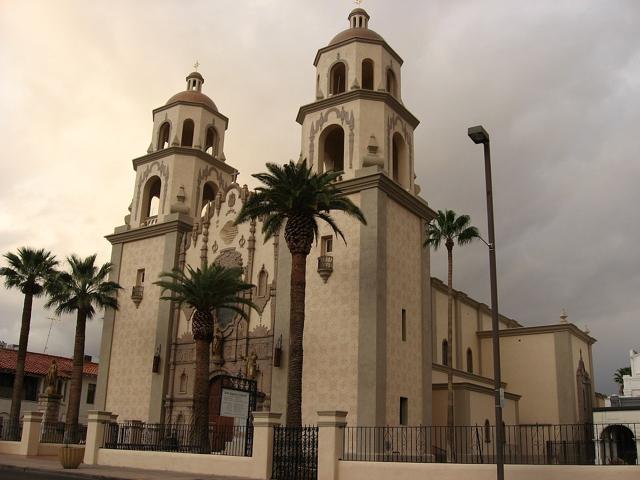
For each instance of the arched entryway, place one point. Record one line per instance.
(618, 445)
(332, 149)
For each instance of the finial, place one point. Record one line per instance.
(563, 316)
(357, 2)
(196, 65)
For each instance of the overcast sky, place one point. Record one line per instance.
(555, 82)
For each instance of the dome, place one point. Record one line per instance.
(358, 11)
(193, 96)
(350, 33)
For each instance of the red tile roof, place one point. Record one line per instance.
(38, 363)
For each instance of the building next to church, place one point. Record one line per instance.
(376, 321)
(36, 367)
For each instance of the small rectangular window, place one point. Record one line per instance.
(91, 393)
(404, 411)
(327, 245)
(404, 325)
(140, 277)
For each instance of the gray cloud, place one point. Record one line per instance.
(555, 82)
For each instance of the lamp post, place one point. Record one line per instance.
(479, 135)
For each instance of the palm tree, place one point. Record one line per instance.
(292, 193)
(206, 290)
(81, 290)
(617, 377)
(450, 228)
(30, 271)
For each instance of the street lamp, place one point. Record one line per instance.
(479, 135)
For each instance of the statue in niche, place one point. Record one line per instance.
(217, 346)
(251, 366)
(51, 379)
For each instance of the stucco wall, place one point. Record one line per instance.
(134, 332)
(331, 326)
(404, 276)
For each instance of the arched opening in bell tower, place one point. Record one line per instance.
(338, 78)
(400, 160)
(151, 198)
(367, 74)
(332, 149)
(392, 86)
(211, 142)
(163, 136)
(187, 133)
(209, 193)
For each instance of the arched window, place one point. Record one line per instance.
(391, 83)
(469, 361)
(338, 78)
(367, 74)
(262, 283)
(445, 352)
(209, 192)
(187, 133)
(163, 135)
(400, 160)
(332, 148)
(151, 198)
(211, 142)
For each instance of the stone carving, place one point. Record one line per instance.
(232, 200)
(180, 206)
(229, 232)
(229, 258)
(217, 346)
(242, 241)
(51, 378)
(214, 247)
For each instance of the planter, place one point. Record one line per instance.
(71, 456)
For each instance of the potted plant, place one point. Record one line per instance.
(70, 455)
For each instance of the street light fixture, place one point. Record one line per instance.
(480, 136)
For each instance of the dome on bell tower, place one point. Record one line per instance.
(358, 28)
(193, 93)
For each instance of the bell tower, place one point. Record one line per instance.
(183, 174)
(358, 119)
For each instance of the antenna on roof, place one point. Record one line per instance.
(49, 334)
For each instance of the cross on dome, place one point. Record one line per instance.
(196, 65)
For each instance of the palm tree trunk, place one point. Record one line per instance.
(201, 396)
(450, 410)
(18, 381)
(75, 390)
(296, 330)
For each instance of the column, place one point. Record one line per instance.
(30, 433)
(97, 421)
(330, 443)
(263, 423)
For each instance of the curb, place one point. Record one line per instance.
(90, 476)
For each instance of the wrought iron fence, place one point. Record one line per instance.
(55, 433)
(295, 453)
(580, 444)
(11, 432)
(223, 439)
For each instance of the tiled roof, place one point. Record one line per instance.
(38, 363)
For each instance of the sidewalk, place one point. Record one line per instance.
(52, 465)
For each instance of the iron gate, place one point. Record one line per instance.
(295, 453)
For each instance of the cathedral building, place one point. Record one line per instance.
(375, 318)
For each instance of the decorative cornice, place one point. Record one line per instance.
(359, 40)
(483, 307)
(360, 94)
(475, 388)
(193, 104)
(469, 376)
(561, 327)
(165, 152)
(181, 224)
(381, 181)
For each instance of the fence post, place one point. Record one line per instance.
(96, 422)
(263, 423)
(30, 440)
(330, 443)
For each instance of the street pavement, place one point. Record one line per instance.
(16, 467)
